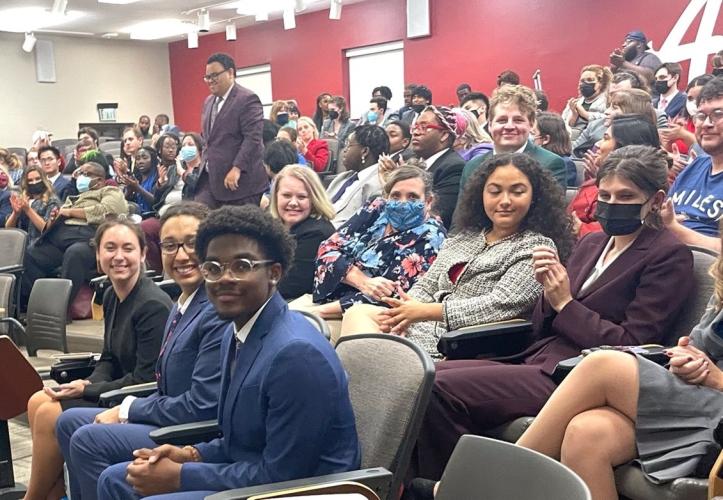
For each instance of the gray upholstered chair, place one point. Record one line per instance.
(47, 315)
(7, 284)
(12, 255)
(494, 470)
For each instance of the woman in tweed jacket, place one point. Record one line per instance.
(484, 273)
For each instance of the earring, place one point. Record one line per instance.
(364, 158)
(273, 282)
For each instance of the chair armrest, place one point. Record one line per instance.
(503, 338)
(195, 432)
(564, 367)
(112, 398)
(378, 479)
(11, 269)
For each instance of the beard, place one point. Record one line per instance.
(630, 53)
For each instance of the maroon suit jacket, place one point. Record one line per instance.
(635, 300)
(235, 141)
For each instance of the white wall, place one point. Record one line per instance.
(136, 75)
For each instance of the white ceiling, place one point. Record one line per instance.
(100, 18)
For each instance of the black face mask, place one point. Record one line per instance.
(418, 108)
(661, 86)
(36, 188)
(717, 71)
(333, 114)
(587, 89)
(282, 119)
(619, 219)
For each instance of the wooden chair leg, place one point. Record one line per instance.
(715, 481)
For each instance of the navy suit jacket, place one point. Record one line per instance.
(5, 207)
(675, 106)
(63, 187)
(188, 369)
(446, 173)
(284, 409)
(235, 141)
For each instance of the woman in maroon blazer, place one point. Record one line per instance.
(314, 149)
(621, 287)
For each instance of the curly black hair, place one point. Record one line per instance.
(546, 216)
(252, 222)
(373, 137)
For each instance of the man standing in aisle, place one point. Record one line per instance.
(232, 171)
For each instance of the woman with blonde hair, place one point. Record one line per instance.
(35, 205)
(299, 200)
(314, 150)
(12, 164)
(472, 140)
(592, 101)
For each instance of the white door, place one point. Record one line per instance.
(258, 79)
(374, 66)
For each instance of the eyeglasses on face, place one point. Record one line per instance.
(212, 77)
(423, 127)
(170, 247)
(239, 269)
(715, 116)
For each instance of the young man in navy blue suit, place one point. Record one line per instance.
(284, 407)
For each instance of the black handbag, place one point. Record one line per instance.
(74, 367)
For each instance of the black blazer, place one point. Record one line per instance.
(446, 175)
(308, 235)
(133, 334)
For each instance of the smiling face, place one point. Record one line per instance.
(119, 255)
(238, 300)
(181, 266)
(506, 197)
(292, 199)
(710, 135)
(218, 79)
(510, 128)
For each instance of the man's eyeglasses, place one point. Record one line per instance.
(170, 247)
(212, 77)
(423, 127)
(238, 268)
(715, 116)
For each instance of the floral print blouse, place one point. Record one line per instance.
(402, 257)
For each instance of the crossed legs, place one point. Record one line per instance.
(46, 470)
(589, 421)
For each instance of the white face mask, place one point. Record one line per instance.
(691, 107)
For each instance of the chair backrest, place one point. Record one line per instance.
(12, 247)
(481, 467)
(390, 382)
(331, 164)
(698, 300)
(22, 154)
(109, 146)
(47, 315)
(318, 322)
(570, 194)
(7, 284)
(580, 168)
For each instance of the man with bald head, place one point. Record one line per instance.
(65, 241)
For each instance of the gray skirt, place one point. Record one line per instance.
(675, 423)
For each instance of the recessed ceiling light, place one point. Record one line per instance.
(157, 29)
(25, 19)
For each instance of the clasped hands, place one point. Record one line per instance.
(693, 366)
(71, 390)
(552, 275)
(158, 470)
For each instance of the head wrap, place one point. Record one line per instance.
(453, 122)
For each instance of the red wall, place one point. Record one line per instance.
(471, 41)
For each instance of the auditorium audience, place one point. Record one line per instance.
(321, 112)
(512, 116)
(622, 287)
(386, 247)
(314, 150)
(49, 157)
(169, 183)
(478, 104)
(592, 101)
(337, 125)
(298, 199)
(35, 205)
(135, 310)
(132, 141)
(81, 147)
(187, 371)
(191, 152)
(400, 137)
(549, 132)
(634, 56)
(484, 273)
(669, 99)
(278, 113)
(283, 379)
(140, 185)
(624, 130)
(681, 130)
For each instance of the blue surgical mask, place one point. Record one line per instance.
(188, 153)
(82, 183)
(372, 116)
(403, 215)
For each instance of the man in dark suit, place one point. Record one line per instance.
(670, 100)
(512, 116)
(232, 171)
(49, 157)
(284, 407)
(433, 135)
(421, 98)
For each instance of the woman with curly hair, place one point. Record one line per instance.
(484, 273)
(621, 287)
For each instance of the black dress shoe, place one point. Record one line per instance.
(419, 489)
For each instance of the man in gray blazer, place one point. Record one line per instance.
(232, 171)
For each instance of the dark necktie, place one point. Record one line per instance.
(171, 331)
(351, 180)
(214, 111)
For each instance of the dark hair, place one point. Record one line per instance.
(278, 154)
(422, 91)
(185, 208)
(318, 113)
(635, 81)
(699, 81)
(404, 127)
(553, 126)
(341, 104)
(644, 166)
(154, 159)
(113, 221)
(386, 92)
(508, 76)
(542, 103)
(252, 222)
(463, 86)
(197, 140)
(373, 137)
(476, 96)
(293, 134)
(711, 90)
(53, 149)
(269, 132)
(159, 142)
(224, 60)
(380, 102)
(546, 215)
(90, 131)
(673, 69)
(636, 129)
(163, 116)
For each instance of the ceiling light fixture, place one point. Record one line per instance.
(59, 7)
(204, 21)
(230, 32)
(192, 40)
(29, 42)
(289, 19)
(157, 29)
(335, 9)
(299, 5)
